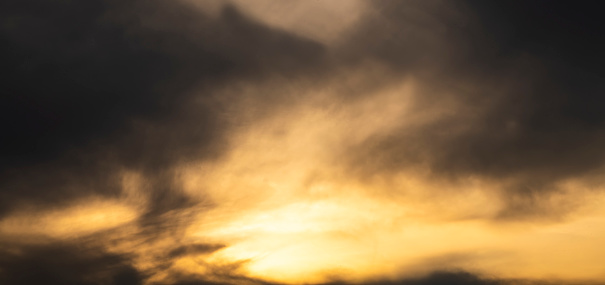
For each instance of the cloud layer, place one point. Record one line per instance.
(154, 142)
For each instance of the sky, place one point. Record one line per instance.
(269, 142)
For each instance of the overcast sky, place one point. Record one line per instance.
(414, 142)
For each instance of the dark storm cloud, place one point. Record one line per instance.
(96, 86)
(526, 83)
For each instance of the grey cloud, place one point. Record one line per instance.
(523, 77)
(100, 86)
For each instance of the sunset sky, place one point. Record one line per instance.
(319, 142)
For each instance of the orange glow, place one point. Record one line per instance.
(288, 212)
(80, 219)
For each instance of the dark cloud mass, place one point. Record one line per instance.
(95, 88)
(528, 79)
(115, 78)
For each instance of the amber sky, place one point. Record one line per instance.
(412, 142)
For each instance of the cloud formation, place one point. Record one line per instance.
(101, 85)
(154, 142)
(511, 83)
